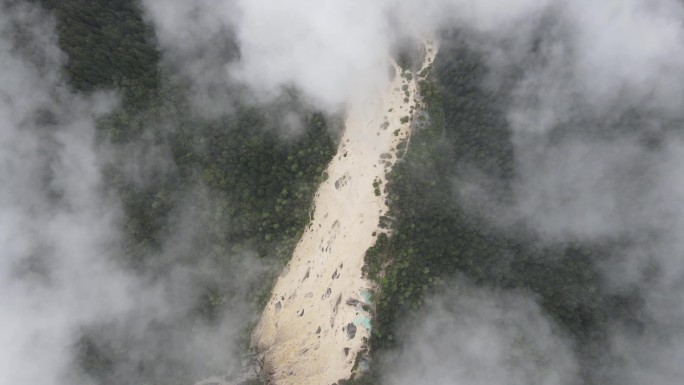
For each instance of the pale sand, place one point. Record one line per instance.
(326, 268)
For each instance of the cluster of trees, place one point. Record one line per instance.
(244, 181)
(435, 236)
(108, 45)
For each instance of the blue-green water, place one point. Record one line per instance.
(366, 295)
(363, 320)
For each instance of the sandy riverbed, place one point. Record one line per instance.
(313, 325)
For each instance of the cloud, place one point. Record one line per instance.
(331, 51)
(57, 227)
(596, 123)
(197, 40)
(61, 273)
(475, 336)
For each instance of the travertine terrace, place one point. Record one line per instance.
(314, 325)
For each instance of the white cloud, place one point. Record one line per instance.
(475, 336)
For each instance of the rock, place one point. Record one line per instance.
(351, 330)
(327, 293)
(352, 302)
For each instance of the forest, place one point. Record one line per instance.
(436, 237)
(248, 182)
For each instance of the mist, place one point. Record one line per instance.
(73, 311)
(331, 52)
(596, 120)
(478, 336)
(58, 228)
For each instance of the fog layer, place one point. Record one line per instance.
(72, 311)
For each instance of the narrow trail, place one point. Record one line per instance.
(314, 324)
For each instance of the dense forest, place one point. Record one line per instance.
(436, 237)
(247, 182)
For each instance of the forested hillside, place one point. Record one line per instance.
(108, 46)
(437, 237)
(242, 181)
